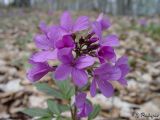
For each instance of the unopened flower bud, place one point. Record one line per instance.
(93, 39)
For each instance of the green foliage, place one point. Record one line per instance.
(95, 112)
(66, 88)
(53, 107)
(65, 91)
(54, 110)
(44, 87)
(34, 112)
(63, 108)
(45, 118)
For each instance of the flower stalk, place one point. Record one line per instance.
(75, 108)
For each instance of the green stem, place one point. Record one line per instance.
(75, 109)
(72, 114)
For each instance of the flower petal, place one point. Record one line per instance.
(44, 56)
(104, 21)
(62, 72)
(108, 72)
(79, 77)
(123, 81)
(107, 53)
(37, 71)
(66, 42)
(42, 42)
(93, 88)
(122, 63)
(80, 99)
(85, 110)
(97, 29)
(66, 21)
(115, 73)
(122, 60)
(110, 40)
(65, 55)
(103, 69)
(54, 34)
(88, 109)
(43, 27)
(105, 87)
(81, 23)
(124, 69)
(84, 61)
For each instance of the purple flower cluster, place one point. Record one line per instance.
(81, 56)
(84, 107)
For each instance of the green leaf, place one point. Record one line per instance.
(69, 93)
(34, 112)
(59, 118)
(62, 118)
(95, 112)
(63, 85)
(49, 90)
(66, 88)
(64, 108)
(45, 118)
(53, 107)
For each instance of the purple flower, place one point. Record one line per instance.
(46, 44)
(110, 40)
(104, 21)
(68, 26)
(106, 53)
(38, 70)
(43, 27)
(66, 42)
(43, 56)
(76, 55)
(54, 33)
(83, 106)
(102, 77)
(122, 63)
(42, 42)
(74, 67)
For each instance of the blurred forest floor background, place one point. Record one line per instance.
(139, 39)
